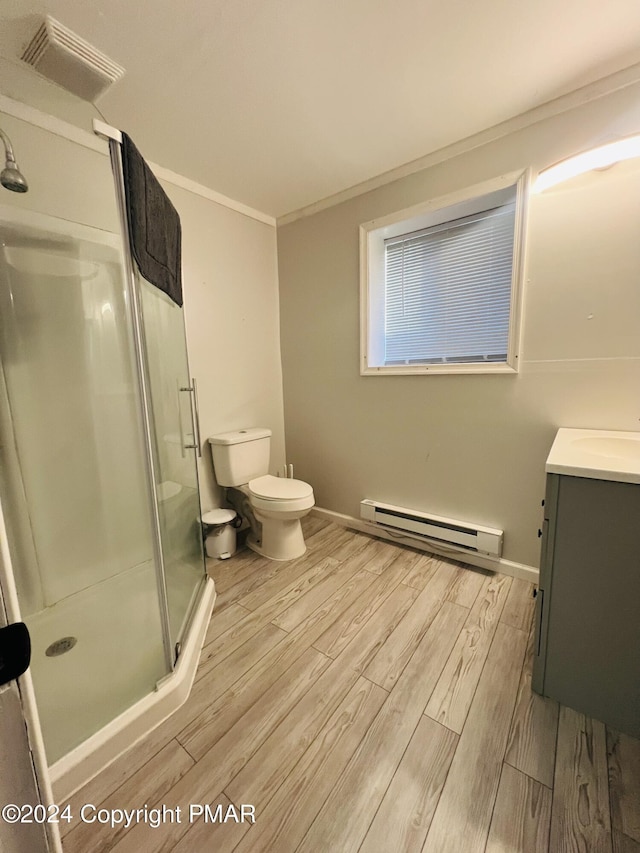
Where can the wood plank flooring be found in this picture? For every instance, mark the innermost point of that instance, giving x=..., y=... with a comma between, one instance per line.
x=367, y=697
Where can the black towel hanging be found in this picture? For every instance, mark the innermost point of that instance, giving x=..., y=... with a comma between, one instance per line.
x=154, y=224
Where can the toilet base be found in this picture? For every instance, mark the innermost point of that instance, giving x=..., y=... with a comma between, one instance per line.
x=281, y=540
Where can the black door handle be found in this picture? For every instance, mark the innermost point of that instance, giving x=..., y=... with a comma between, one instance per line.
x=15, y=651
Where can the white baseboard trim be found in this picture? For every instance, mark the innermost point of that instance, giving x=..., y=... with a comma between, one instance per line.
x=506, y=567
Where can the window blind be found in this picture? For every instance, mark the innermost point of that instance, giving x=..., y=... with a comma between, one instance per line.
x=448, y=290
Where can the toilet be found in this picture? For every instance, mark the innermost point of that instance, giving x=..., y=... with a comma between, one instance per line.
x=241, y=462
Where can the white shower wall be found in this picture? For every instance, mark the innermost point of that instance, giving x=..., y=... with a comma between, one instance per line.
x=63, y=319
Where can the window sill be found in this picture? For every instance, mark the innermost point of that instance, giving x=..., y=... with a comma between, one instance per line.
x=425, y=369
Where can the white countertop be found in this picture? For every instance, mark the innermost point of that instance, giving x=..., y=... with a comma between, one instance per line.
x=596, y=454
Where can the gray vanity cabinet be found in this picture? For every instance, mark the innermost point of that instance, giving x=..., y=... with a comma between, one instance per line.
x=588, y=602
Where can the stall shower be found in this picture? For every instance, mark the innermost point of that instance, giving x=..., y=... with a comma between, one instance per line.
x=98, y=468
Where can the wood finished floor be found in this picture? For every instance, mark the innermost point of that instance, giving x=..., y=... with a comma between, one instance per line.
x=367, y=697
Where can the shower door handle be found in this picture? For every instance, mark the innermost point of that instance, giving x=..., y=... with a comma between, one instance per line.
x=180, y=429
x=195, y=416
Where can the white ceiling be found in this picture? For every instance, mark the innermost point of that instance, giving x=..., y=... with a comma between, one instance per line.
x=280, y=103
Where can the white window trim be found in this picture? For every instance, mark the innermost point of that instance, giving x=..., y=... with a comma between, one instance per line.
x=432, y=212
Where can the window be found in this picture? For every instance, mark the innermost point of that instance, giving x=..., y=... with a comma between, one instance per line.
x=440, y=284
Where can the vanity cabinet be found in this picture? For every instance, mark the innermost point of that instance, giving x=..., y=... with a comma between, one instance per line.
x=587, y=654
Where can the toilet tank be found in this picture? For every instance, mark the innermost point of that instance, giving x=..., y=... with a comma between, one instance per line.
x=241, y=455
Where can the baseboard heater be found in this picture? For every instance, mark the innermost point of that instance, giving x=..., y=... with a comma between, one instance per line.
x=446, y=531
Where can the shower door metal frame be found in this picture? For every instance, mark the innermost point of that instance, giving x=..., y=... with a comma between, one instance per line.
x=35, y=760
x=133, y=296
x=135, y=314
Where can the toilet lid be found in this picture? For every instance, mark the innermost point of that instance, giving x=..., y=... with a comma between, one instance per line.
x=279, y=488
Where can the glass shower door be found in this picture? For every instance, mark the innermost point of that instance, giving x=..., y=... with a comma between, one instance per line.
x=72, y=480
x=174, y=414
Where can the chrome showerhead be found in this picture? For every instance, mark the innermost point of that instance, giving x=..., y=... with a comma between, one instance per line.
x=11, y=177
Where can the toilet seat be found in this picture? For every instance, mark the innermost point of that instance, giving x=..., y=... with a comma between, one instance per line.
x=280, y=494
x=279, y=488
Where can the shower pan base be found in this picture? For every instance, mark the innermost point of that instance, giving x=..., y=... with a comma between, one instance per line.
x=59, y=677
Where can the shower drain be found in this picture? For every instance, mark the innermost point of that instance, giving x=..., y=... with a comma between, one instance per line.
x=61, y=646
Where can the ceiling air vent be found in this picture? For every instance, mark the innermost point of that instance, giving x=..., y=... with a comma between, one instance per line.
x=58, y=53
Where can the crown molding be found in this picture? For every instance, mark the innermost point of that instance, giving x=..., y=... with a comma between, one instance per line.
x=591, y=92
x=36, y=117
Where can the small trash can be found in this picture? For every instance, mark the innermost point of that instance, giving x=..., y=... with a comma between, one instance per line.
x=220, y=533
